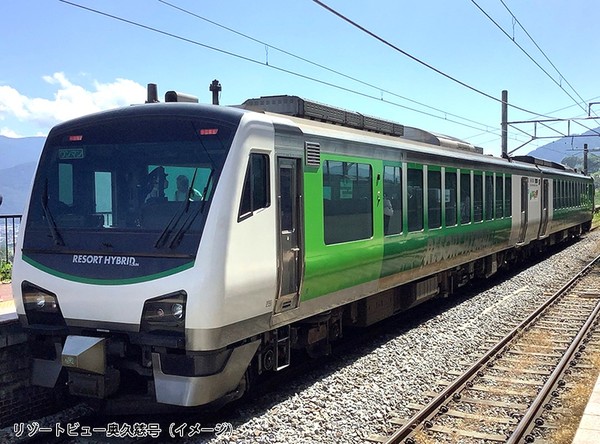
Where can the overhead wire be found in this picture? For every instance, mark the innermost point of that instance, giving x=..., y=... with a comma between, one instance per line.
x=269, y=65
x=524, y=51
x=534, y=61
x=486, y=128
x=418, y=60
x=319, y=65
x=542, y=51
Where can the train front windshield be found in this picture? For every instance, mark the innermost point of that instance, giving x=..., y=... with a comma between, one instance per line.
x=124, y=190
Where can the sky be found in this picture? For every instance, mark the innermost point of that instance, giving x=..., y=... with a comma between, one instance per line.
x=59, y=61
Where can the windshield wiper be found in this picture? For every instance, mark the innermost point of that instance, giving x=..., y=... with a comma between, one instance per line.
x=58, y=240
x=174, y=222
x=188, y=222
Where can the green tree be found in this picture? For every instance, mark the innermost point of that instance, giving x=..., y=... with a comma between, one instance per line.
x=5, y=271
x=576, y=161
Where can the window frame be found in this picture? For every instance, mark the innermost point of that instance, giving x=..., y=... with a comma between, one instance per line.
x=249, y=187
x=342, y=196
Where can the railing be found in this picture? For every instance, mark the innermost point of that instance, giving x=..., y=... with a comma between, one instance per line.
x=9, y=228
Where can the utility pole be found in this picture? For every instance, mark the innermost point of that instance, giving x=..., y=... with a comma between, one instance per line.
x=505, y=124
x=585, y=159
x=215, y=88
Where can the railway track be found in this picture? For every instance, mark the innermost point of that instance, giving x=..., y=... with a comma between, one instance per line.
x=508, y=393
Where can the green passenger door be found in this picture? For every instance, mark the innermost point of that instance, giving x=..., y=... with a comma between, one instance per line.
x=524, y=209
x=545, y=204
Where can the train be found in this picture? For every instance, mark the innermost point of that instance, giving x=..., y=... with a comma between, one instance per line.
x=177, y=251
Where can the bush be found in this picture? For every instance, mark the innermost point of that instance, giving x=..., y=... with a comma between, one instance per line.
x=5, y=271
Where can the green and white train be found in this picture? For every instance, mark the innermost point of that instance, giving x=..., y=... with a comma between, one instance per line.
x=174, y=250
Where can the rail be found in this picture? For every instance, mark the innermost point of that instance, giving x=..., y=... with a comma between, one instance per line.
x=9, y=229
x=528, y=421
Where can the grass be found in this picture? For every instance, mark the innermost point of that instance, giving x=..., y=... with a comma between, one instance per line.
x=596, y=220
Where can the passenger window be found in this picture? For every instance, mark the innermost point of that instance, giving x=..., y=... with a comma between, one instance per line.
x=499, y=196
x=507, y=196
x=465, y=197
x=415, y=199
x=434, y=199
x=347, y=201
x=450, y=198
x=477, y=197
x=392, y=200
x=255, y=194
x=489, y=196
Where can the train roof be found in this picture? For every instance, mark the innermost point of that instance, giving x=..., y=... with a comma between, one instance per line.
x=308, y=114
x=228, y=114
x=308, y=109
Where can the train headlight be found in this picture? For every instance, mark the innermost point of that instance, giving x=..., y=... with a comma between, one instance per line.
x=165, y=314
x=40, y=301
x=36, y=299
x=177, y=311
x=41, y=306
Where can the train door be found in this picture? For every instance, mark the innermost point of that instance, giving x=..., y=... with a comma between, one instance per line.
x=524, y=208
x=289, y=214
x=544, y=215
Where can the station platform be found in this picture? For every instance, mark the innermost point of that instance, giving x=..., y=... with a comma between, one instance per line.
x=5, y=292
x=7, y=304
x=589, y=426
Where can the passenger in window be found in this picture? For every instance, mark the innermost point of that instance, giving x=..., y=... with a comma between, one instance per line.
x=157, y=183
x=183, y=191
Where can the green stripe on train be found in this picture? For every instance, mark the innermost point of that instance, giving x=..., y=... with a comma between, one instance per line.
x=95, y=281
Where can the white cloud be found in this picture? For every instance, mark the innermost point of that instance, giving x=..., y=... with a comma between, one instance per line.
x=70, y=101
x=7, y=132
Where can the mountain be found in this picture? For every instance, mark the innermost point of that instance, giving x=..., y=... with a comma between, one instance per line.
x=567, y=146
x=18, y=159
x=14, y=187
x=14, y=151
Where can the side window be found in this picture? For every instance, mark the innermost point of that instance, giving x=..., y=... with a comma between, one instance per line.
x=255, y=194
x=465, y=197
x=507, y=196
x=489, y=196
x=392, y=200
x=347, y=201
x=477, y=197
x=450, y=198
x=499, y=196
x=558, y=194
x=434, y=199
x=415, y=199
